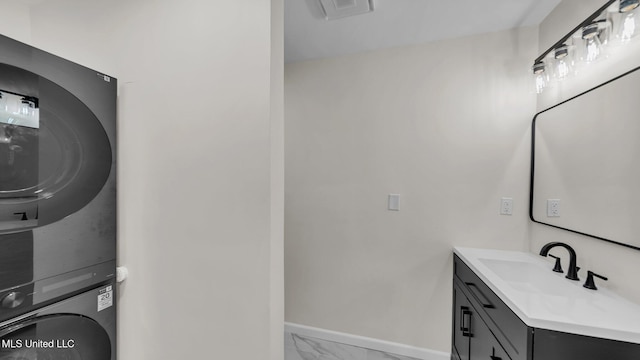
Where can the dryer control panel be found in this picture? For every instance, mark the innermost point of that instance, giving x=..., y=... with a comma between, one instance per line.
x=24, y=298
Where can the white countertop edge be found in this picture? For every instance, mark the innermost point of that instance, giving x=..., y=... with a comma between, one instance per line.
x=459, y=251
x=493, y=283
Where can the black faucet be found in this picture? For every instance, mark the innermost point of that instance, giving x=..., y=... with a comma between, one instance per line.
x=590, y=284
x=572, y=272
x=558, y=266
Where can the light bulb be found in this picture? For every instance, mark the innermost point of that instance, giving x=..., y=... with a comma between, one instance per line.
x=562, y=69
x=593, y=46
x=541, y=83
x=628, y=29
x=593, y=49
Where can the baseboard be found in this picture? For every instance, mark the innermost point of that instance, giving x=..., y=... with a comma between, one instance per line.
x=367, y=343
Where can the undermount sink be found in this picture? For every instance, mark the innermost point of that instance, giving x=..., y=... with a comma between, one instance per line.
x=526, y=276
x=508, y=270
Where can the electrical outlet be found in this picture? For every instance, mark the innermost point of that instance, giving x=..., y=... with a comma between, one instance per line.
x=553, y=207
x=506, y=206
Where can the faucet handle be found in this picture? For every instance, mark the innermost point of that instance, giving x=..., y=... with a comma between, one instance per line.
x=590, y=284
x=557, y=268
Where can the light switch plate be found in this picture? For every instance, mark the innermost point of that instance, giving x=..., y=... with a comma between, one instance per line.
x=394, y=202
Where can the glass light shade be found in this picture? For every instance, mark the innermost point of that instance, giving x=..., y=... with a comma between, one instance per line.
x=592, y=44
x=628, y=27
x=541, y=76
x=563, y=62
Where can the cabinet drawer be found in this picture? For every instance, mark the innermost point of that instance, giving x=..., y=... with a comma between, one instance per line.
x=510, y=331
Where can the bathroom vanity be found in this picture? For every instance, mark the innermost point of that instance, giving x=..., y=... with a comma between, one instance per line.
x=510, y=305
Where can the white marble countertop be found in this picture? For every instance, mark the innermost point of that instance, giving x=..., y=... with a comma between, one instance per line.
x=547, y=300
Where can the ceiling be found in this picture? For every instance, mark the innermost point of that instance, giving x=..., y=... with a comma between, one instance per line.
x=307, y=35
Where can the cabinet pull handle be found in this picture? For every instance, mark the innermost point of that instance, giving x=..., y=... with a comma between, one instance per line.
x=465, y=326
x=495, y=357
x=477, y=293
x=462, y=310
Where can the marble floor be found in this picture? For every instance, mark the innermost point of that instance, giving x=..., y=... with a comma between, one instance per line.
x=298, y=347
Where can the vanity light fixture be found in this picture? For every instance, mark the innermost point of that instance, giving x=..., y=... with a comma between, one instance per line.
x=589, y=38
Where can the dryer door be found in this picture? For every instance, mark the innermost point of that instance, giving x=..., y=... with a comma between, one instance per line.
x=55, y=156
x=55, y=337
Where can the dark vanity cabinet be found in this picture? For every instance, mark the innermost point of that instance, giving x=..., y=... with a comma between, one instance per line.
x=472, y=338
x=484, y=328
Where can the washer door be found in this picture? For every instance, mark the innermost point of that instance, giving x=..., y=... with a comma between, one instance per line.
x=55, y=156
x=55, y=337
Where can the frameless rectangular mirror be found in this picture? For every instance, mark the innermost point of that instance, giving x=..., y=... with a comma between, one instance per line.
x=585, y=163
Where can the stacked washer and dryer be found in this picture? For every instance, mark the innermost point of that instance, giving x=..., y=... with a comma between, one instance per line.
x=57, y=208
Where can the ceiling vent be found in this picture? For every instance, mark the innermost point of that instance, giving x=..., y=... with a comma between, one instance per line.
x=336, y=9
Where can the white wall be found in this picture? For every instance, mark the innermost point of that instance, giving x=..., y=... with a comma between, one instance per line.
x=200, y=181
x=446, y=125
x=276, y=305
x=621, y=265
